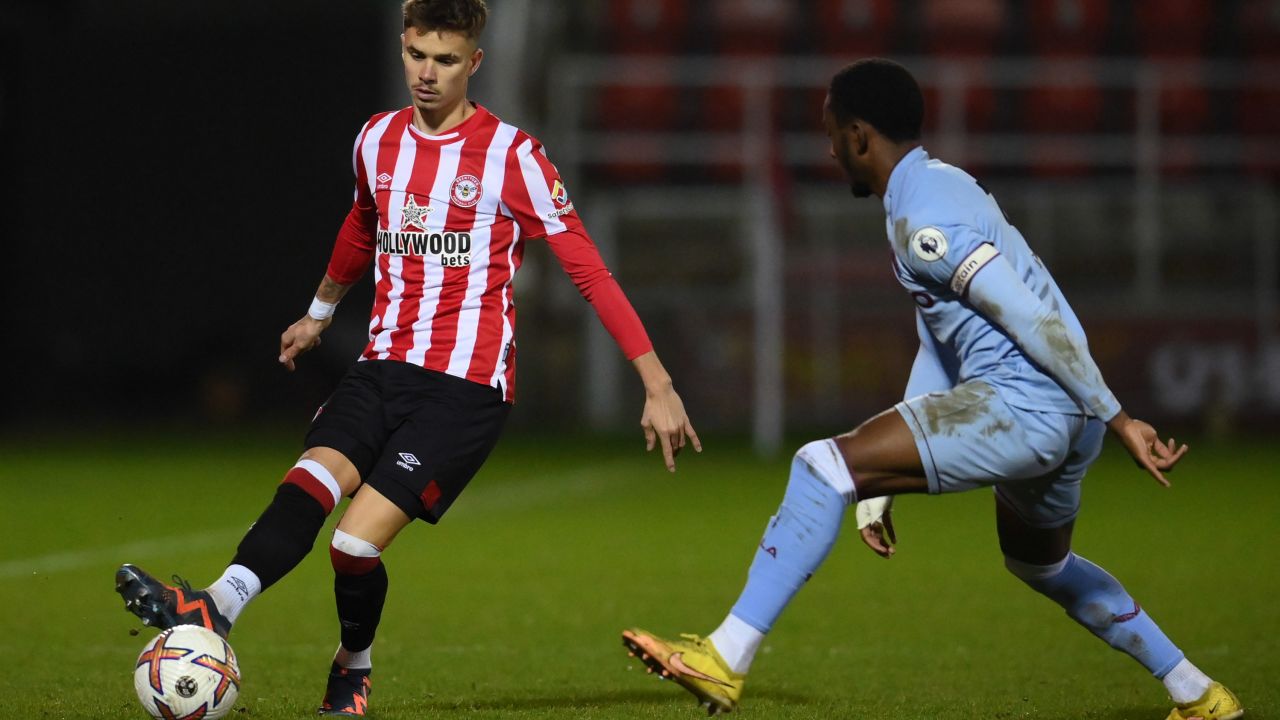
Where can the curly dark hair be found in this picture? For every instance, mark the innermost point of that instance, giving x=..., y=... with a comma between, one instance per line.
x=881, y=92
x=461, y=16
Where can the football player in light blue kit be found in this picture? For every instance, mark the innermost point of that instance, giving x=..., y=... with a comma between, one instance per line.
x=1003, y=393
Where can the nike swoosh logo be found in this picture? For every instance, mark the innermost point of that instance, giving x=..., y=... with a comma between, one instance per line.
x=677, y=663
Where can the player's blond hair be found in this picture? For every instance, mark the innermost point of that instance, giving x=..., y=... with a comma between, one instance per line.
x=461, y=16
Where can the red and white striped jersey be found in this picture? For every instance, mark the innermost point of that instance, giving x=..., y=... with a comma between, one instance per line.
x=447, y=214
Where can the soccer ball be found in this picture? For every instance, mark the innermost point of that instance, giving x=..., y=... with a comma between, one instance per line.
x=187, y=673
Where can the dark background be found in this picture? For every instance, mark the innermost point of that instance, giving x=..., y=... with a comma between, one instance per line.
x=176, y=175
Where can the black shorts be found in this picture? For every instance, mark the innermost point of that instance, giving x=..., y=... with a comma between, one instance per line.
x=417, y=436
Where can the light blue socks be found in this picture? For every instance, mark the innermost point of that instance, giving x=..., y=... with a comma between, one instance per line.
x=795, y=543
x=1099, y=602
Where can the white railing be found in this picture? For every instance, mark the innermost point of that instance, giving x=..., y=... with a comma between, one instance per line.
x=755, y=205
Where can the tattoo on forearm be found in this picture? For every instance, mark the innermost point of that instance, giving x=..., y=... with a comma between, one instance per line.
x=331, y=291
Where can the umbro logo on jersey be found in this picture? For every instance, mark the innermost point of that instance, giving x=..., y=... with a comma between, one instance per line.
x=384, y=181
x=408, y=461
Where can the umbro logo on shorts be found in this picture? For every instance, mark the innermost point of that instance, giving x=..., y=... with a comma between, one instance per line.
x=407, y=461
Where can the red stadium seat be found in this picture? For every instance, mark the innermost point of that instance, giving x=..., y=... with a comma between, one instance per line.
x=969, y=30
x=1184, y=104
x=1258, y=122
x=1068, y=27
x=647, y=27
x=1057, y=109
x=1172, y=28
x=640, y=108
x=1259, y=29
x=1258, y=107
x=752, y=28
x=1061, y=109
x=963, y=27
x=855, y=28
x=656, y=29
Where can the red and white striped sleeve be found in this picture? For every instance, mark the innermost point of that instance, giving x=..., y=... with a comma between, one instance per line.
x=353, y=249
x=539, y=201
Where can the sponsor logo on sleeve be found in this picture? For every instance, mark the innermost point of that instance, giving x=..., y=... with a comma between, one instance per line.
x=560, y=196
x=466, y=191
x=970, y=266
x=929, y=244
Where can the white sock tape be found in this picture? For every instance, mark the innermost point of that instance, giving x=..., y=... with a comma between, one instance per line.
x=354, y=546
x=825, y=459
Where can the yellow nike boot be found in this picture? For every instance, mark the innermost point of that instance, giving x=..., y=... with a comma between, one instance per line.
x=693, y=662
x=1217, y=703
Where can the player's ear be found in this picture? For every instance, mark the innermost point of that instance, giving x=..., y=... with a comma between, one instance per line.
x=861, y=140
x=476, y=57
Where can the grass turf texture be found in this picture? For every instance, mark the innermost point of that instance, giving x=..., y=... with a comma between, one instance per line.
x=512, y=607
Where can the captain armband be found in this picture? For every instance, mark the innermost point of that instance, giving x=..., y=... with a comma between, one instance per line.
x=970, y=266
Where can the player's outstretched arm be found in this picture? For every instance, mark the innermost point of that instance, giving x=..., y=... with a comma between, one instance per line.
x=999, y=294
x=304, y=334
x=1144, y=445
x=664, y=420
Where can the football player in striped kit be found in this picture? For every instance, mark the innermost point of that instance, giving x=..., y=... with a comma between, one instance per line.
x=446, y=195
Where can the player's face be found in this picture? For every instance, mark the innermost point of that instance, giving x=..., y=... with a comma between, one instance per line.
x=437, y=65
x=842, y=150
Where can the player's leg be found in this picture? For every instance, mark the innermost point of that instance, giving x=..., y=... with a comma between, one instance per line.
x=1034, y=521
x=280, y=538
x=878, y=458
x=339, y=442
x=446, y=428
x=366, y=529
x=826, y=476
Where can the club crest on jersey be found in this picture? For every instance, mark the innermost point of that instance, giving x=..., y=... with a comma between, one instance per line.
x=560, y=196
x=466, y=191
x=929, y=244
x=413, y=214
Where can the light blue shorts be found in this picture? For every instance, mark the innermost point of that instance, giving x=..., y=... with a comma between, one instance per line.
x=968, y=438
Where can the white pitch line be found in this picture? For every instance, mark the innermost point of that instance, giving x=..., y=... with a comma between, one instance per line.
x=78, y=559
x=509, y=495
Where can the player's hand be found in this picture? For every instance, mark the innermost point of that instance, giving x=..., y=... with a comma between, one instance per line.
x=299, y=338
x=665, y=422
x=878, y=534
x=1144, y=445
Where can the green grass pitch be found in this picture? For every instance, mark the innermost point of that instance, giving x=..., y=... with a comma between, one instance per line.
x=512, y=607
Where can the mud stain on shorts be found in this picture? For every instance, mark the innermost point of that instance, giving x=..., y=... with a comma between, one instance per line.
x=962, y=406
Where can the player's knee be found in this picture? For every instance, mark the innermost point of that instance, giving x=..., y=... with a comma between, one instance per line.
x=823, y=458
x=352, y=556
x=315, y=480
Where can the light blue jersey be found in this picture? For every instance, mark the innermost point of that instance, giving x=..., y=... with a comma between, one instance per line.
x=991, y=310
